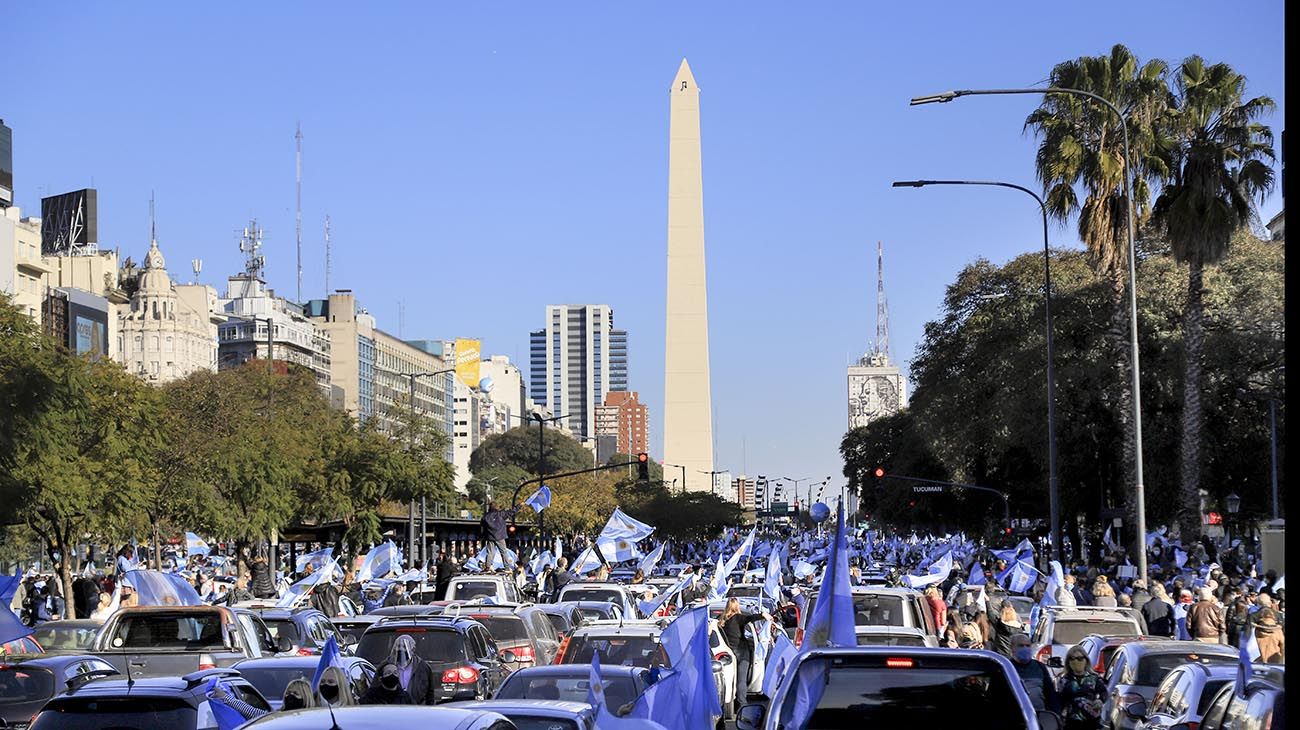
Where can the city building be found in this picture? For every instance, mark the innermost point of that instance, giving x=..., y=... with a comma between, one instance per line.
x=6, y=166
x=688, y=408
x=623, y=416
x=505, y=405
x=723, y=485
x=743, y=486
x=167, y=331
x=22, y=269
x=1277, y=226
x=467, y=430
x=371, y=369
x=876, y=387
x=78, y=320
x=257, y=324
x=572, y=364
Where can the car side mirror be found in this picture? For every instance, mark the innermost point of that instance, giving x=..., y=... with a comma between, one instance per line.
x=1048, y=720
x=508, y=656
x=283, y=644
x=750, y=717
x=1137, y=710
x=1055, y=662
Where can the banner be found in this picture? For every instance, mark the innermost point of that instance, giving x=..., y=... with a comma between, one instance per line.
x=467, y=361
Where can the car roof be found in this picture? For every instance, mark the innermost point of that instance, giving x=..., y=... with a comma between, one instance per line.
x=592, y=584
x=71, y=623
x=582, y=670
x=543, y=708
x=276, y=614
x=432, y=622
x=293, y=662
x=374, y=716
x=584, y=604
x=119, y=685
x=614, y=629
x=1142, y=648
x=890, y=630
x=46, y=660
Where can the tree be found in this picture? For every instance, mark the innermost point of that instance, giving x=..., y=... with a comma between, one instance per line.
x=1221, y=167
x=1082, y=150
x=519, y=447
x=499, y=482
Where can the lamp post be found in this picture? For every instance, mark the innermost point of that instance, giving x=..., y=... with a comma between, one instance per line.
x=1139, y=492
x=1233, y=503
x=713, y=482
x=796, y=488
x=1053, y=485
x=1272, y=437
x=422, y=552
x=678, y=466
x=541, y=455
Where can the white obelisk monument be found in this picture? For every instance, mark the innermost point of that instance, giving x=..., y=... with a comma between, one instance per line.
x=688, y=408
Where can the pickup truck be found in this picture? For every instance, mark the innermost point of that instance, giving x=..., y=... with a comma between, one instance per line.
x=896, y=686
x=171, y=641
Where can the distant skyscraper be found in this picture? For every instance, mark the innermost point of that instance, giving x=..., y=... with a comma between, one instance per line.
x=688, y=409
x=876, y=387
x=575, y=361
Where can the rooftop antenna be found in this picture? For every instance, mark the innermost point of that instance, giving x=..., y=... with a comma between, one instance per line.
x=250, y=243
x=298, y=143
x=882, y=307
x=153, y=223
x=197, y=265
x=327, y=255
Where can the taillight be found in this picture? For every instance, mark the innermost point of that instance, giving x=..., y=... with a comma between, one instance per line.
x=798, y=637
x=1044, y=654
x=304, y=651
x=207, y=662
x=898, y=663
x=559, y=653
x=1098, y=668
x=524, y=654
x=460, y=675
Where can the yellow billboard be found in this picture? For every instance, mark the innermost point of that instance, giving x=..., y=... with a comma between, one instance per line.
x=467, y=358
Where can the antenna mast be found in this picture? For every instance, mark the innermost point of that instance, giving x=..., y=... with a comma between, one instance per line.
x=882, y=306
x=298, y=143
x=153, y=225
x=327, y=255
x=249, y=244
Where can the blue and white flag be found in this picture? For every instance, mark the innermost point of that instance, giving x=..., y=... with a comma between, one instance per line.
x=300, y=590
x=976, y=577
x=595, y=690
x=155, y=588
x=720, y=584
x=540, y=499
x=329, y=657
x=803, y=570
x=772, y=576
x=382, y=560
x=649, y=607
x=782, y=654
x=413, y=576
x=617, y=541
x=1180, y=556
x=194, y=545
x=1247, y=652
x=648, y=563
x=586, y=562
x=126, y=565
x=540, y=562
x=831, y=623
x=1020, y=577
x=937, y=572
x=316, y=560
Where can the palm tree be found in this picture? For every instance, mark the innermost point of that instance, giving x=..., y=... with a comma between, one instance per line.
x=1082, y=152
x=1221, y=157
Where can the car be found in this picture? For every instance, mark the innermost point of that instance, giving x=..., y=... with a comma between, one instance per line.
x=881, y=606
x=1023, y=605
x=634, y=645
x=894, y=636
x=570, y=682
x=352, y=627
x=383, y=717
x=1261, y=705
x=306, y=628
x=175, y=703
x=1136, y=668
x=501, y=588
x=459, y=650
x=270, y=675
x=1060, y=627
x=593, y=610
x=22, y=646
x=542, y=714
x=546, y=640
x=614, y=593
x=1182, y=697
x=902, y=687
x=515, y=634
x=69, y=636
x=27, y=684
x=170, y=641
x=1101, y=647
x=564, y=618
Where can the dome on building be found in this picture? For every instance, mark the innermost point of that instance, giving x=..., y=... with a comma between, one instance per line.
x=154, y=280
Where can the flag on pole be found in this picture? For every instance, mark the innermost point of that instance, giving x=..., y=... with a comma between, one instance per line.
x=586, y=562
x=194, y=545
x=382, y=560
x=300, y=590
x=329, y=657
x=539, y=499
x=976, y=577
x=648, y=563
x=316, y=559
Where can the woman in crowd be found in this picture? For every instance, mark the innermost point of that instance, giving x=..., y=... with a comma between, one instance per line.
x=1080, y=692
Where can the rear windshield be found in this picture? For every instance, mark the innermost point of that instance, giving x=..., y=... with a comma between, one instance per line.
x=80, y=637
x=1071, y=632
x=560, y=622
x=631, y=651
x=542, y=723
x=1152, y=668
x=503, y=628
x=25, y=685
x=431, y=645
x=186, y=631
x=271, y=682
x=285, y=628
x=948, y=694
x=604, y=595
x=618, y=690
x=595, y=613
x=872, y=610
x=889, y=640
x=471, y=589
x=118, y=712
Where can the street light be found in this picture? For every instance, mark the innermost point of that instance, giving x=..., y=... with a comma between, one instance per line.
x=1233, y=503
x=1053, y=485
x=423, y=552
x=1138, y=489
x=683, y=468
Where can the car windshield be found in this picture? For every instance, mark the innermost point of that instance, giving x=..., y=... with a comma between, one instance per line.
x=871, y=610
x=187, y=631
x=283, y=627
x=1071, y=632
x=867, y=693
x=93, y=713
x=65, y=637
x=23, y=684
x=467, y=590
x=522, y=686
x=597, y=613
x=632, y=651
x=890, y=640
x=504, y=629
x=604, y=595
x=431, y=645
x=1152, y=668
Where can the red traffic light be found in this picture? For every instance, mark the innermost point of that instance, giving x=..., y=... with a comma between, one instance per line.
x=879, y=472
x=643, y=458
x=911, y=503
x=1007, y=530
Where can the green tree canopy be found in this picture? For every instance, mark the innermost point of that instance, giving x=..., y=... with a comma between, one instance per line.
x=519, y=447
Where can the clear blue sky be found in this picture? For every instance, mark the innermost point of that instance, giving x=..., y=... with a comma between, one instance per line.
x=482, y=160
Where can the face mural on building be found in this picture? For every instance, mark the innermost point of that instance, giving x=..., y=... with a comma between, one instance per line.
x=872, y=396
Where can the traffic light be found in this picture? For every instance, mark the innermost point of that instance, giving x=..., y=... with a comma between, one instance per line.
x=878, y=474
x=643, y=467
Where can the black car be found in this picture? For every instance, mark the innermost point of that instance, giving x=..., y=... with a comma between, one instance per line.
x=175, y=703
x=271, y=675
x=306, y=628
x=466, y=663
x=26, y=685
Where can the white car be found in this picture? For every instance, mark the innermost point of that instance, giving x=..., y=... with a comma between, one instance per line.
x=894, y=636
x=1060, y=627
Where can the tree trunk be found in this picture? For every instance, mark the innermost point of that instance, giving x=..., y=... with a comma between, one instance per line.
x=1189, y=486
x=1117, y=338
x=65, y=573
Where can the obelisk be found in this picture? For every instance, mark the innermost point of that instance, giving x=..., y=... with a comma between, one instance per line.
x=688, y=408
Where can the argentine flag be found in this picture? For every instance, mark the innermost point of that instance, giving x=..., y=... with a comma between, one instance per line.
x=382, y=560
x=540, y=499
x=194, y=545
x=316, y=560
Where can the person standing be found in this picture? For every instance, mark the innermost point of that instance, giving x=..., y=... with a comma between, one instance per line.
x=938, y=609
x=1081, y=692
x=1159, y=612
x=1269, y=636
x=732, y=624
x=446, y=570
x=1102, y=593
x=1205, y=620
x=1034, y=675
x=263, y=582
x=496, y=529
x=1006, y=624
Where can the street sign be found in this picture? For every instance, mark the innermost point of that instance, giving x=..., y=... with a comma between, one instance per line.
x=780, y=508
x=927, y=488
